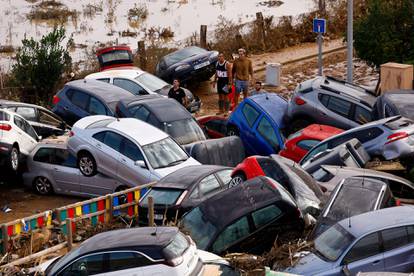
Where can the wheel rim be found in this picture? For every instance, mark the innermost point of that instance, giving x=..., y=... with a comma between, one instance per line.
x=236, y=181
x=43, y=185
x=86, y=165
x=14, y=159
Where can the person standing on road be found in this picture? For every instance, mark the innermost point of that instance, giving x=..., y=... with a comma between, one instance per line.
x=257, y=89
x=177, y=93
x=242, y=70
x=222, y=79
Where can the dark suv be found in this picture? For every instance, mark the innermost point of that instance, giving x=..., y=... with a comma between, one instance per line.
x=328, y=101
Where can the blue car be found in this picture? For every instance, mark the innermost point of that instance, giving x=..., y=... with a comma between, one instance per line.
x=81, y=98
x=376, y=241
x=258, y=120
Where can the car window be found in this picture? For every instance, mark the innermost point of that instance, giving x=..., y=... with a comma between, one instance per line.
x=315, y=151
x=307, y=144
x=96, y=107
x=29, y=113
x=194, y=194
x=89, y=265
x=362, y=115
x=225, y=176
x=64, y=158
x=410, y=231
x=126, y=260
x=363, y=135
x=30, y=130
x=388, y=112
x=209, y=184
x=44, y=155
x=104, y=80
x=130, y=86
x=49, y=119
x=131, y=151
x=19, y=122
x=266, y=130
x=324, y=99
x=401, y=190
x=113, y=140
x=364, y=248
x=250, y=114
x=176, y=247
x=394, y=237
x=4, y=116
x=162, y=196
x=216, y=125
x=337, y=105
x=79, y=99
x=140, y=112
x=265, y=215
x=100, y=136
x=231, y=234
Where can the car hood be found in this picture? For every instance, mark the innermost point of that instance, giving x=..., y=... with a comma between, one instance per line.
x=165, y=171
x=310, y=265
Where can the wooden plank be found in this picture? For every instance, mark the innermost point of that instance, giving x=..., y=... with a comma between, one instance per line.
x=395, y=76
x=69, y=236
x=5, y=238
x=203, y=36
x=142, y=55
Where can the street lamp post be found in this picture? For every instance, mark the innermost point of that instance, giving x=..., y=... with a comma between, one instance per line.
x=350, y=41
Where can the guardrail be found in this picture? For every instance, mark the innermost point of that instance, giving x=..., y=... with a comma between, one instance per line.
x=97, y=210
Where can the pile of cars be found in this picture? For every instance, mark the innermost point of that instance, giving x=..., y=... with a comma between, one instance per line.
x=271, y=170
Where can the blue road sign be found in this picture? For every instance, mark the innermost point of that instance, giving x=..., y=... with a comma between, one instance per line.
x=319, y=25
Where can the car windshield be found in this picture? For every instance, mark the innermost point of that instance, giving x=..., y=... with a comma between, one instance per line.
x=200, y=229
x=183, y=54
x=162, y=196
x=116, y=56
x=333, y=242
x=185, y=131
x=176, y=247
x=164, y=153
x=152, y=82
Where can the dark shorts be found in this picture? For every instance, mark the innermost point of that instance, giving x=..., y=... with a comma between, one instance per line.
x=222, y=87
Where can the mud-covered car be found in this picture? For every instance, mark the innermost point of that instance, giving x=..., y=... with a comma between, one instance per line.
x=188, y=64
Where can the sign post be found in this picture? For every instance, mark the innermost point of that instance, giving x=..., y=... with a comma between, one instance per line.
x=319, y=27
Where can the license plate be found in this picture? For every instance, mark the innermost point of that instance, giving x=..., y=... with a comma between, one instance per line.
x=158, y=217
x=198, y=66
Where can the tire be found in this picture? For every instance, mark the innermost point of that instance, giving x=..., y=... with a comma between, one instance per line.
x=299, y=124
x=238, y=179
x=14, y=159
x=42, y=185
x=232, y=131
x=87, y=164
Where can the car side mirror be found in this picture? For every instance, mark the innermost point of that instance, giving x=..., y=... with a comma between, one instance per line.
x=141, y=164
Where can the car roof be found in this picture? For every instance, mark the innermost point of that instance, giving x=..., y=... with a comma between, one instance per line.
x=247, y=197
x=343, y=87
x=376, y=220
x=183, y=49
x=107, y=92
x=6, y=103
x=128, y=73
x=165, y=109
x=320, y=132
x=186, y=177
x=141, y=132
x=274, y=105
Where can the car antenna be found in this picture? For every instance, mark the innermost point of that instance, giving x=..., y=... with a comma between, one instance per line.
x=349, y=219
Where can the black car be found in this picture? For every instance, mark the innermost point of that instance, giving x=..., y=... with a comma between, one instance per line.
x=45, y=122
x=351, y=197
x=393, y=103
x=81, y=98
x=165, y=114
x=245, y=218
x=178, y=192
x=191, y=63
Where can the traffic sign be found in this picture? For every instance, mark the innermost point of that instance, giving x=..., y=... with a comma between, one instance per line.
x=319, y=25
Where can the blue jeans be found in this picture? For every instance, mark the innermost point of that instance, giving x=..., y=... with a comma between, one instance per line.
x=242, y=86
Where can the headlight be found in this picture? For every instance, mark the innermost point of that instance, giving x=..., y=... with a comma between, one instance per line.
x=214, y=54
x=182, y=67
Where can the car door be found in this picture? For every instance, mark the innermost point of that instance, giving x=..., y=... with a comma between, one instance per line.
x=247, y=122
x=225, y=177
x=65, y=172
x=129, y=263
x=79, y=104
x=229, y=239
x=335, y=111
x=92, y=264
x=26, y=137
x=365, y=255
x=208, y=186
x=96, y=107
x=129, y=172
x=267, y=140
x=398, y=249
x=130, y=86
x=107, y=150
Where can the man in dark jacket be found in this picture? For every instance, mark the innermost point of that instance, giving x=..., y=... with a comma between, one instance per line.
x=177, y=93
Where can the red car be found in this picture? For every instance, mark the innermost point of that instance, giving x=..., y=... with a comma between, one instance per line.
x=115, y=57
x=299, y=143
x=214, y=126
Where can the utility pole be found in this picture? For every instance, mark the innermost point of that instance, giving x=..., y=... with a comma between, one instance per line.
x=350, y=41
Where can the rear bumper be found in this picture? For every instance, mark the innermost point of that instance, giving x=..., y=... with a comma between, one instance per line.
x=4, y=152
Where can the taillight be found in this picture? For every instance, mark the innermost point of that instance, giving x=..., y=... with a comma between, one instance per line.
x=271, y=183
x=5, y=127
x=398, y=202
x=299, y=100
x=396, y=136
x=71, y=133
x=182, y=196
x=55, y=100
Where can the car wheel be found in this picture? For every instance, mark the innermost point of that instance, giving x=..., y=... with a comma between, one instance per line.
x=298, y=125
x=237, y=180
x=87, y=164
x=42, y=185
x=14, y=159
x=233, y=131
